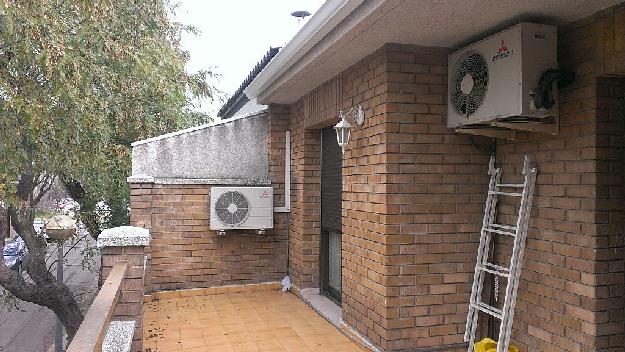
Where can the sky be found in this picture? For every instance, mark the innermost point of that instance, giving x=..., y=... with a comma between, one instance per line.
x=235, y=35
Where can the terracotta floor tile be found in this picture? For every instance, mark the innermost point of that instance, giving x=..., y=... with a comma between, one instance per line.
x=256, y=321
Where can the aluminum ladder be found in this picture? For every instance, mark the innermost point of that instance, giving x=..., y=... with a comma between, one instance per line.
x=490, y=228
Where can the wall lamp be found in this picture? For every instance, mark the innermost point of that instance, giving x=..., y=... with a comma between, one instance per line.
x=343, y=128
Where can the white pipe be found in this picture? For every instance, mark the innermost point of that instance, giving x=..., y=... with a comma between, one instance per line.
x=287, y=177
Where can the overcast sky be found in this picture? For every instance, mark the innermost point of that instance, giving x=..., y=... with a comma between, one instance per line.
x=235, y=34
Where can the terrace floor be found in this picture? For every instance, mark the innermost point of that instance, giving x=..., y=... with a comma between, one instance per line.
x=267, y=320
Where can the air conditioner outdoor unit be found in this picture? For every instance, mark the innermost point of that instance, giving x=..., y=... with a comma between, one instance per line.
x=241, y=208
x=496, y=78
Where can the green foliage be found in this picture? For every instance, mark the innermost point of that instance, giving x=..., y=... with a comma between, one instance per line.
x=80, y=81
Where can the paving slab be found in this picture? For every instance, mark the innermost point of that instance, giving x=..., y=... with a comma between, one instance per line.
x=269, y=320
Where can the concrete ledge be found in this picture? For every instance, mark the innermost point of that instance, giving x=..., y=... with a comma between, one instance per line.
x=90, y=335
x=119, y=336
x=197, y=181
x=323, y=305
x=124, y=236
x=358, y=338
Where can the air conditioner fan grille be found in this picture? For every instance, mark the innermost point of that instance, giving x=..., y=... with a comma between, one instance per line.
x=469, y=83
x=232, y=208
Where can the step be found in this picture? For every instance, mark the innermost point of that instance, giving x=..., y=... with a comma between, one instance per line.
x=497, y=313
x=511, y=185
x=510, y=194
x=495, y=269
x=505, y=227
x=501, y=232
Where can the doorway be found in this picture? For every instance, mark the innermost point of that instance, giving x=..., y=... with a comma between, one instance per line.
x=331, y=206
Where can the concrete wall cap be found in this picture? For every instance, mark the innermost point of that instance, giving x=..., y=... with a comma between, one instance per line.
x=140, y=179
x=198, y=181
x=260, y=112
x=124, y=236
x=119, y=336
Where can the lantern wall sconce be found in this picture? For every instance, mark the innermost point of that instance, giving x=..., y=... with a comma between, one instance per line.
x=344, y=129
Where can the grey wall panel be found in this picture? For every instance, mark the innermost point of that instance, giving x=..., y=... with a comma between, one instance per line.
x=236, y=149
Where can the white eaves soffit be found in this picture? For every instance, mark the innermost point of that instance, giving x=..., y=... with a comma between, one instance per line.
x=343, y=32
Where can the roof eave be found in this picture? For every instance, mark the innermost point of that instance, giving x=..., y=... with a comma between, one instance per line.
x=329, y=15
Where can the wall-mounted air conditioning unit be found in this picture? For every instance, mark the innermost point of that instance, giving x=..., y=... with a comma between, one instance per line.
x=497, y=79
x=241, y=208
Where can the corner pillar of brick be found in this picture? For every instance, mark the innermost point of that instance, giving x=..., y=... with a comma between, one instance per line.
x=127, y=243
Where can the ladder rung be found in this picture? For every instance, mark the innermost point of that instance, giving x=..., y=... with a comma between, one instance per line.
x=495, y=269
x=507, y=233
x=511, y=194
x=487, y=309
x=505, y=227
x=511, y=185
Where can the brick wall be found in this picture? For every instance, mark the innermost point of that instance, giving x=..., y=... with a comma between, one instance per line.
x=411, y=190
x=364, y=204
x=316, y=110
x=609, y=280
x=571, y=293
x=413, y=193
x=131, y=290
x=435, y=190
x=185, y=253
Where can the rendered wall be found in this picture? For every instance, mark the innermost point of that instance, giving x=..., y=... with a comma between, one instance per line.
x=236, y=149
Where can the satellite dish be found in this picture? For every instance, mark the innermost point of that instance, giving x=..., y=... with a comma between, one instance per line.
x=300, y=14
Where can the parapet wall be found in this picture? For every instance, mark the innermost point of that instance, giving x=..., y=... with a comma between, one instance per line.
x=229, y=149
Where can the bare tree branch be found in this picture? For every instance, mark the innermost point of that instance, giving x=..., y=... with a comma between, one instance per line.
x=44, y=185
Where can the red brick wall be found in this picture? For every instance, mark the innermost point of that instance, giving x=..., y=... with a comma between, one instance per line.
x=185, y=253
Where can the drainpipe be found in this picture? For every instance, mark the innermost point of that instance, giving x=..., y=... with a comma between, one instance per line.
x=286, y=281
x=287, y=177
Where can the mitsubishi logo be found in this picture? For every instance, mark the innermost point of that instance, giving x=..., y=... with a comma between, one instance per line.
x=503, y=48
x=503, y=51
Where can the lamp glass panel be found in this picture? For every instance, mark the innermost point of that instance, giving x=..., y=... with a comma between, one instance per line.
x=339, y=135
x=346, y=135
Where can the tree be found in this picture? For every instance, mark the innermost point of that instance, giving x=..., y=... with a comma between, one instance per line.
x=79, y=81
